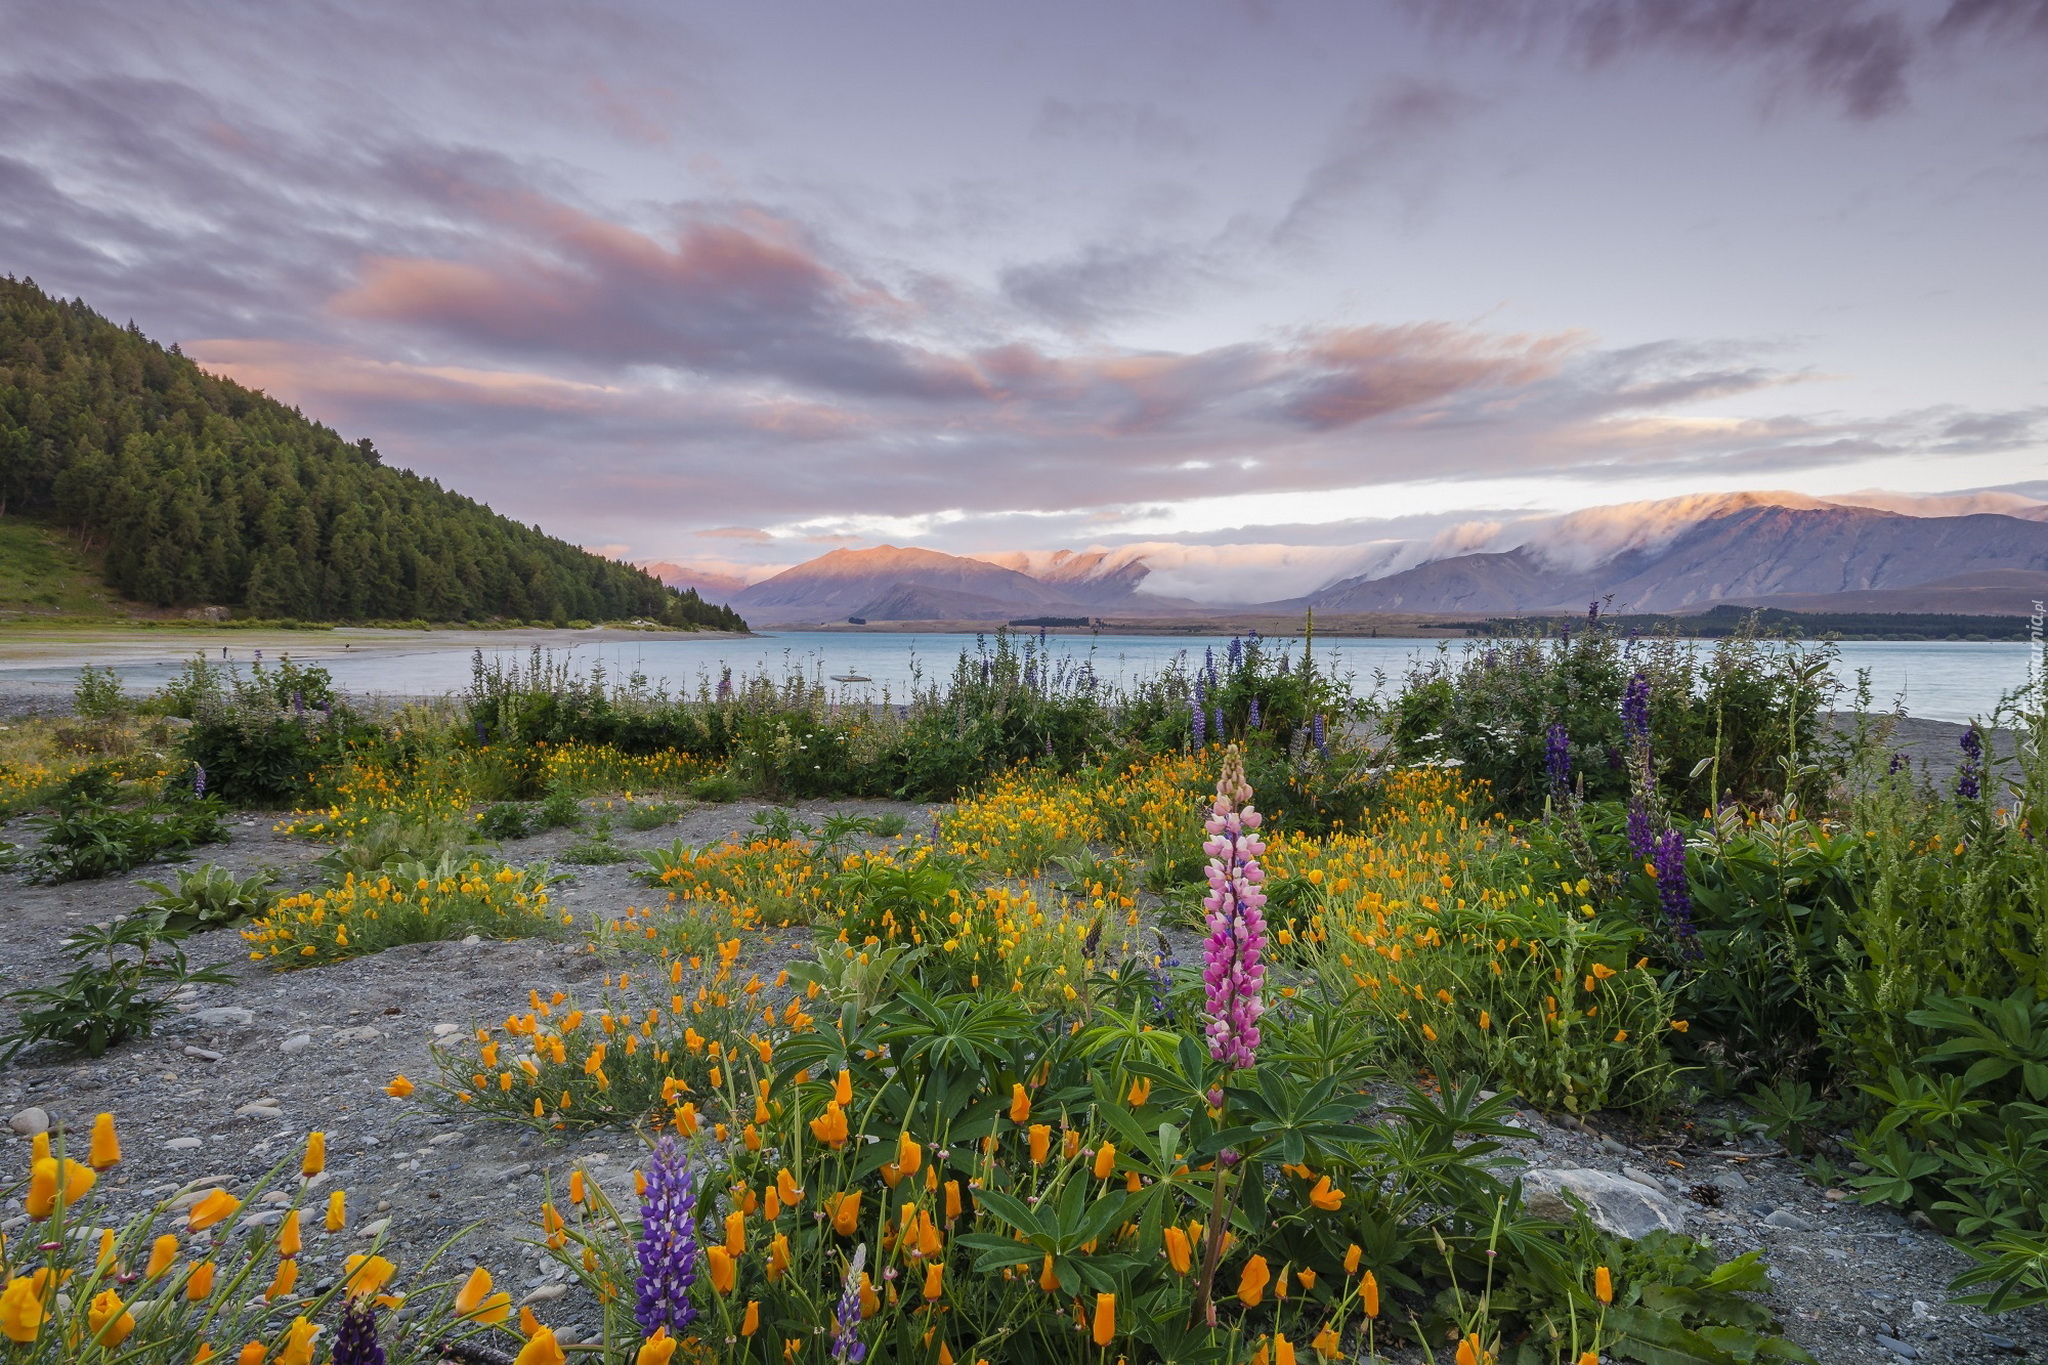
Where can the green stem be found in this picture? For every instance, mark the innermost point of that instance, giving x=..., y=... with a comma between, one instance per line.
x=1212, y=1250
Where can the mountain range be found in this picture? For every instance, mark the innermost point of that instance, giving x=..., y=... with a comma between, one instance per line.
x=1873, y=553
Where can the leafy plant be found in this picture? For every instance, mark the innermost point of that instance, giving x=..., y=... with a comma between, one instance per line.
x=86, y=838
x=120, y=987
x=781, y=824
x=646, y=817
x=207, y=897
x=505, y=820
x=598, y=849
x=1788, y=1113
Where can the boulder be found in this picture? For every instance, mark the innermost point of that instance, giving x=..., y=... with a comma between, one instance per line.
x=1615, y=1203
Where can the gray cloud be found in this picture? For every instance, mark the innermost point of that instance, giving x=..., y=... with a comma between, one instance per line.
x=1389, y=147
x=1140, y=126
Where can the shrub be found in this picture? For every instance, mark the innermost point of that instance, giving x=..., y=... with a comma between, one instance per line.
x=85, y=838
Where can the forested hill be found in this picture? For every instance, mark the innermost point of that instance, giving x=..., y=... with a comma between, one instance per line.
x=197, y=491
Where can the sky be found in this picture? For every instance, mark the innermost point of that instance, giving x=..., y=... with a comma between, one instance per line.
x=734, y=285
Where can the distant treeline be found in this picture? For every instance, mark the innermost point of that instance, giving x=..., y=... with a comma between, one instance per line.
x=1772, y=621
x=196, y=491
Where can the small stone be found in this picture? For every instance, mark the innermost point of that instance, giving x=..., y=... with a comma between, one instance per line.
x=30, y=1121
x=514, y=1172
x=1834, y=1196
x=1897, y=1347
x=444, y=1139
x=298, y=1042
x=374, y=1228
x=383, y=1204
x=1921, y=1308
x=547, y=1293
x=190, y=1197
x=443, y=1030
x=1641, y=1176
x=364, y=1034
x=1788, y=1220
x=259, y=1109
x=224, y=1016
x=277, y=1197
x=1734, y=1181
x=182, y=1144
x=472, y=941
x=1999, y=1343
x=1918, y=1218
x=204, y=1054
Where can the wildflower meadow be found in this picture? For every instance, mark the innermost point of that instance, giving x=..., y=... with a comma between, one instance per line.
x=1187, y=1028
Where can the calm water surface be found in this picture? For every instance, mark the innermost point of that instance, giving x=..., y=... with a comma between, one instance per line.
x=1938, y=680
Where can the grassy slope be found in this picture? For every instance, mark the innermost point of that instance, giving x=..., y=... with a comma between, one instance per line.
x=43, y=573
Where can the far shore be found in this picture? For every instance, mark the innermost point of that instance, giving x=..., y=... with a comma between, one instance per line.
x=31, y=646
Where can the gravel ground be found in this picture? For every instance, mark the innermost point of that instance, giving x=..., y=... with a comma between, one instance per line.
x=236, y=1078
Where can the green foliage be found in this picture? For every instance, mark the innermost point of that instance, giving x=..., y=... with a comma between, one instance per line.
x=1964, y=1131
x=85, y=838
x=598, y=848
x=196, y=490
x=98, y=694
x=1733, y=718
x=208, y=897
x=506, y=820
x=643, y=817
x=120, y=987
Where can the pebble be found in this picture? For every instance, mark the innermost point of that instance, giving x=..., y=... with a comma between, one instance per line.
x=1897, y=1347
x=1789, y=1221
x=374, y=1228
x=472, y=941
x=204, y=1054
x=298, y=1042
x=443, y=1030
x=182, y=1144
x=259, y=1110
x=363, y=1034
x=30, y=1121
x=547, y=1293
x=224, y=1016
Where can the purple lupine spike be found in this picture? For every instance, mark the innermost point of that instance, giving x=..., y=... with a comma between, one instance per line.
x=668, y=1243
x=1318, y=733
x=1642, y=840
x=198, y=779
x=1592, y=613
x=1216, y=722
x=479, y=731
x=1635, y=708
x=1898, y=762
x=1283, y=664
x=1252, y=719
x=1198, y=726
x=1968, y=783
x=1672, y=892
x=355, y=1341
x=1557, y=757
x=846, y=1343
x=1232, y=969
x=298, y=703
x=1236, y=653
x=1209, y=664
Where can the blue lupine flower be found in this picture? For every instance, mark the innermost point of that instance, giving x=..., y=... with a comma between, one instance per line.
x=1672, y=891
x=1557, y=757
x=846, y=1343
x=355, y=1341
x=668, y=1243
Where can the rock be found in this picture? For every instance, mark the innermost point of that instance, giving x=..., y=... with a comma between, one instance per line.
x=298, y=1042
x=1789, y=1221
x=30, y=1121
x=364, y=1034
x=204, y=1054
x=224, y=1016
x=514, y=1172
x=1897, y=1347
x=1919, y=1219
x=547, y=1293
x=443, y=1030
x=374, y=1228
x=1834, y=1196
x=182, y=1144
x=472, y=941
x=1642, y=1177
x=1614, y=1203
x=191, y=1197
x=1735, y=1182
x=259, y=1109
